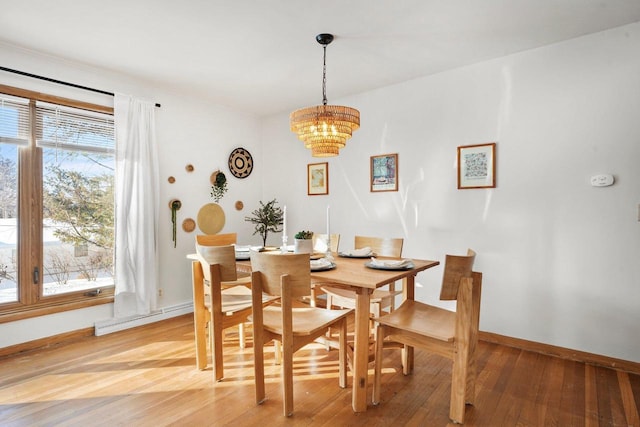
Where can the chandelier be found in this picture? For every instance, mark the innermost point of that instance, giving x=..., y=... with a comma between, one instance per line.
x=325, y=128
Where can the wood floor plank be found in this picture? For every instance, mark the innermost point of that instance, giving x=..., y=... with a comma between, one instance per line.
x=533, y=381
x=148, y=377
x=628, y=401
x=498, y=400
x=571, y=408
x=609, y=397
x=634, y=381
x=590, y=397
x=554, y=378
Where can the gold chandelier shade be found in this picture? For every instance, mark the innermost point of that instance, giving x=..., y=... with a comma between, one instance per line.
x=325, y=128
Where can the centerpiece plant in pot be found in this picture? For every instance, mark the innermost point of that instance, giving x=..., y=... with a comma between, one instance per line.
x=303, y=242
x=268, y=217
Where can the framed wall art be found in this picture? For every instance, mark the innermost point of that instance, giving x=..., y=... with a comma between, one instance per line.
x=384, y=172
x=317, y=179
x=477, y=166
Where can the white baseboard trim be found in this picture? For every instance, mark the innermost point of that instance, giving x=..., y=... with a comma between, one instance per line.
x=114, y=325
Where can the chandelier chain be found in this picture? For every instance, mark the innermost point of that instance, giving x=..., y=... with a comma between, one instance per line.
x=324, y=76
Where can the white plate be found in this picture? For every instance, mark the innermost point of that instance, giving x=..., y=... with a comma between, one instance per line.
x=324, y=267
x=409, y=266
x=347, y=255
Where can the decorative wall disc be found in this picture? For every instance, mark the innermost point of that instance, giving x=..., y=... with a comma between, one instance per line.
x=188, y=225
x=240, y=163
x=211, y=218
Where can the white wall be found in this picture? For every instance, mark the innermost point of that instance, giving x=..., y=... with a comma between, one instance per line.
x=559, y=257
x=189, y=132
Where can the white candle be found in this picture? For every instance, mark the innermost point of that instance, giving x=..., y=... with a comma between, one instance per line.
x=284, y=221
x=328, y=232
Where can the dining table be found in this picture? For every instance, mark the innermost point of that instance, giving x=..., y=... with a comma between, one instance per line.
x=356, y=274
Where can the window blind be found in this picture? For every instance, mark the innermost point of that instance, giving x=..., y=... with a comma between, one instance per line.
x=74, y=129
x=14, y=120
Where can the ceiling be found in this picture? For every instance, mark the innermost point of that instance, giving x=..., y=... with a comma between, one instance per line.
x=260, y=56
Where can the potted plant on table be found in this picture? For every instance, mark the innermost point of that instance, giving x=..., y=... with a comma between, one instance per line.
x=266, y=218
x=303, y=242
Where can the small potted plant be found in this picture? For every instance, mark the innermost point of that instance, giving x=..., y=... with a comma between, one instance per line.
x=266, y=218
x=303, y=242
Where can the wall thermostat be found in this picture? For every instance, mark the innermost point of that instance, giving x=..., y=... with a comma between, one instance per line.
x=602, y=180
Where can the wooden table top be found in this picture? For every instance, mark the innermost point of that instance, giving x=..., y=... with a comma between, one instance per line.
x=353, y=272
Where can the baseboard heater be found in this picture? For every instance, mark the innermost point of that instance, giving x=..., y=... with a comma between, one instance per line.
x=114, y=325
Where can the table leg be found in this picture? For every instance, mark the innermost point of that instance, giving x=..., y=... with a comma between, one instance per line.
x=361, y=350
x=407, y=356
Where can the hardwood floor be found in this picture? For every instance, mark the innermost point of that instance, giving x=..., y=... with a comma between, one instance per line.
x=147, y=377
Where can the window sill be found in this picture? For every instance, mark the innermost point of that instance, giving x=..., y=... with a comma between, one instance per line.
x=46, y=308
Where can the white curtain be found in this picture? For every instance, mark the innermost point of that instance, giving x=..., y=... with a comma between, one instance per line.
x=136, y=266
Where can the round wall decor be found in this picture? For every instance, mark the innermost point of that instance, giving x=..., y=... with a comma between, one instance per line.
x=188, y=225
x=211, y=218
x=240, y=163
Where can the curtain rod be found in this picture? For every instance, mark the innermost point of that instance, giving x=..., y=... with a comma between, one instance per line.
x=48, y=79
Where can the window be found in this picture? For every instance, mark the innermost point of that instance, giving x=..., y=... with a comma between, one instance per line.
x=57, y=168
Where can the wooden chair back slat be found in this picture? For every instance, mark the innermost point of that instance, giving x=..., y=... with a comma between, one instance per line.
x=455, y=268
x=216, y=239
x=225, y=256
x=381, y=246
x=270, y=266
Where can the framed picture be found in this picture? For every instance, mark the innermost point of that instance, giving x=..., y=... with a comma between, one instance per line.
x=384, y=173
x=477, y=166
x=317, y=179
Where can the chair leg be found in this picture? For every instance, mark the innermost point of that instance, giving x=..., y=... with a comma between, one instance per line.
x=392, y=303
x=241, y=335
x=459, y=382
x=287, y=378
x=403, y=360
x=277, y=352
x=201, y=341
x=376, y=310
x=377, y=376
x=258, y=364
x=470, y=393
x=217, y=338
x=312, y=297
x=470, y=389
x=342, y=357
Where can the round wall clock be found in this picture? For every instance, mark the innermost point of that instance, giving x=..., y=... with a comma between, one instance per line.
x=240, y=163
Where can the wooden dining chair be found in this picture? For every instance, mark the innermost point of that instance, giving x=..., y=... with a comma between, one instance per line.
x=221, y=300
x=381, y=299
x=223, y=240
x=293, y=325
x=450, y=334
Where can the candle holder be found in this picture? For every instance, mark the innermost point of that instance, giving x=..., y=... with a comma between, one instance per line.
x=283, y=248
x=328, y=255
